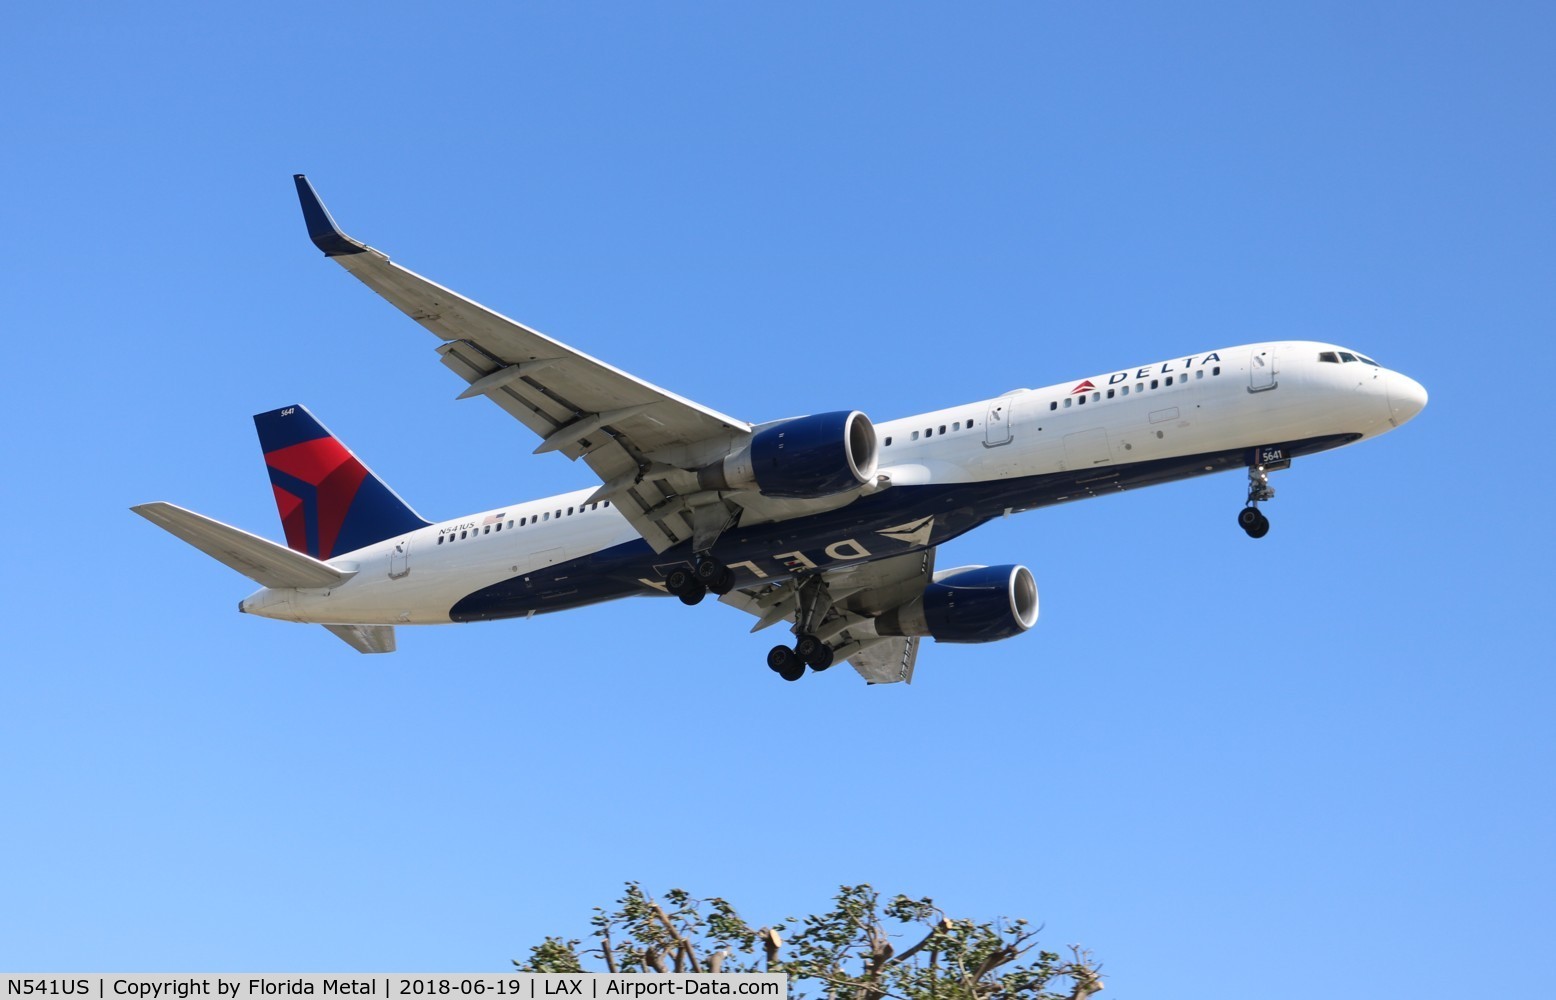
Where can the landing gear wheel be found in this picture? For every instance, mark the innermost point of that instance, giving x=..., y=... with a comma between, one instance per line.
x=1252, y=521
x=816, y=654
x=680, y=581
x=709, y=570
x=694, y=595
x=724, y=584
x=1260, y=529
x=785, y=663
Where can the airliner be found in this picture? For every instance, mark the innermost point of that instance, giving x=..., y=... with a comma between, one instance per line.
x=829, y=522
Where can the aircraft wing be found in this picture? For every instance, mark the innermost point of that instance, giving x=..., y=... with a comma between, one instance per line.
x=851, y=597
x=640, y=440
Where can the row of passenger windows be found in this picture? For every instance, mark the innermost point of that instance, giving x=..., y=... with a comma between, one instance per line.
x=1335, y=358
x=487, y=529
x=1138, y=387
x=930, y=432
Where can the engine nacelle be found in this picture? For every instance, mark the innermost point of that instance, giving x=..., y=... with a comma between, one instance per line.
x=803, y=458
x=974, y=604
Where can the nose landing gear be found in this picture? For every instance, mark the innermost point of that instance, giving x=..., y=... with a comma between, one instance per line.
x=1250, y=518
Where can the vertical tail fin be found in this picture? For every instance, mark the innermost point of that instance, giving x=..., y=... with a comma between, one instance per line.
x=329, y=501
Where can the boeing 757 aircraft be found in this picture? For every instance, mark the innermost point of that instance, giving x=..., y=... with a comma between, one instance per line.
x=829, y=522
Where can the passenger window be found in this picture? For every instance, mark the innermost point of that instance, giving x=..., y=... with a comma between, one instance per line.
x=488, y=530
x=1096, y=397
x=1169, y=380
x=607, y=503
x=942, y=428
x=1054, y=405
x=1154, y=383
x=1067, y=402
x=569, y=512
x=510, y=525
x=1199, y=374
x=440, y=539
x=929, y=432
x=969, y=423
x=1329, y=357
x=1125, y=390
x=546, y=516
x=956, y=425
x=1216, y=370
x=463, y=534
x=915, y=435
x=1110, y=393
x=559, y=512
x=1080, y=400
x=888, y=441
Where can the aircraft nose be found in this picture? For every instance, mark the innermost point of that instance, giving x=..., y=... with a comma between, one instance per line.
x=1407, y=397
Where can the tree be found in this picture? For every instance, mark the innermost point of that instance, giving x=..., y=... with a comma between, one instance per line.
x=847, y=953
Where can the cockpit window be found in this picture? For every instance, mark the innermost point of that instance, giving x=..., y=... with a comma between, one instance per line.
x=1368, y=361
x=1329, y=356
x=1347, y=356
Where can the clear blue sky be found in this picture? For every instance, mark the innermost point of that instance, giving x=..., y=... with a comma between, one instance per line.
x=1231, y=768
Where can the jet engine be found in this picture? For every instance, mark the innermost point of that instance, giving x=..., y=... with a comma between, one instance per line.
x=802, y=458
x=970, y=604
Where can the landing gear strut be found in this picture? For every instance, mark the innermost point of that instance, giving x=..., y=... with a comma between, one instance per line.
x=812, y=604
x=1250, y=518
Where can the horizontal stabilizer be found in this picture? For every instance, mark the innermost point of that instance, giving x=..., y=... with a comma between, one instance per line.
x=265, y=562
x=366, y=638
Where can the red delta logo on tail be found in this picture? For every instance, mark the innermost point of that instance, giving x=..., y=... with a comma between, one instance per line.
x=335, y=475
x=328, y=500
x=1085, y=386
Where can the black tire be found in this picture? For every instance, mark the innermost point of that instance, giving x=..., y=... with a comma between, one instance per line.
x=1248, y=517
x=816, y=654
x=709, y=570
x=1260, y=528
x=693, y=596
x=782, y=661
x=680, y=581
x=724, y=584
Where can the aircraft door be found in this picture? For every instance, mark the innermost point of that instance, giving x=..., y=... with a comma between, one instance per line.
x=400, y=559
x=996, y=424
x=1261, y=369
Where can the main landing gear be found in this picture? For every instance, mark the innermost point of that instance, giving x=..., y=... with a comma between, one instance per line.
x=809, y=650
x=1250, y=518
x=707, y=575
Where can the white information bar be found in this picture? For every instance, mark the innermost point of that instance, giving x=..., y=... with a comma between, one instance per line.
x=391, y=985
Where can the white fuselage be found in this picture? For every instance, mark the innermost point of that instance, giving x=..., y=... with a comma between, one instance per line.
x=1232, y=400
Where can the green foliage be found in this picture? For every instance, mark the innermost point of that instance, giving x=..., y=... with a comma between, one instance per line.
x=849, y=952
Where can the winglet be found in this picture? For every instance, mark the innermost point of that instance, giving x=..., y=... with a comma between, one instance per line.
x=321, y=227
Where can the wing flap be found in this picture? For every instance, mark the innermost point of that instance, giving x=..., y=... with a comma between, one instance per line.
x=261, y=560
x=855, y=596
x=887, y=661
